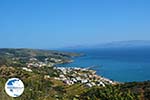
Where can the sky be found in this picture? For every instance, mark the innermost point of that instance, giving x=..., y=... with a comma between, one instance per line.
x=64, y=23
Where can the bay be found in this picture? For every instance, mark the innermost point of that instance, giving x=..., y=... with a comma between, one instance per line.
x=123, y=65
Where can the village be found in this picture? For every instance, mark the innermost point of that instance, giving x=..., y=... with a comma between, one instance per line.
x=84, y=76
x=70, y=75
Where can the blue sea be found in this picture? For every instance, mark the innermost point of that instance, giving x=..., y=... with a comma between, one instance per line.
x=123, y=65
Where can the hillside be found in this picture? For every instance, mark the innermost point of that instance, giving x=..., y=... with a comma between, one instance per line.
x=40, y=87
x=34, y=57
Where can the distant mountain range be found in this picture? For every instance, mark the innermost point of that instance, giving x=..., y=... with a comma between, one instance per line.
x=116, y=45
x=126, y=44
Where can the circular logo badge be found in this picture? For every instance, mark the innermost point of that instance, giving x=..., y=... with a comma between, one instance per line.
x=14, y=87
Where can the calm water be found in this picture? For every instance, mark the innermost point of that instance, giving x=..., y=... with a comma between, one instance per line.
x=120, y=65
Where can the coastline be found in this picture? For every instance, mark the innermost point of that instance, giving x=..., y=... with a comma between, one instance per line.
x=86, y=76
x=115, y=65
